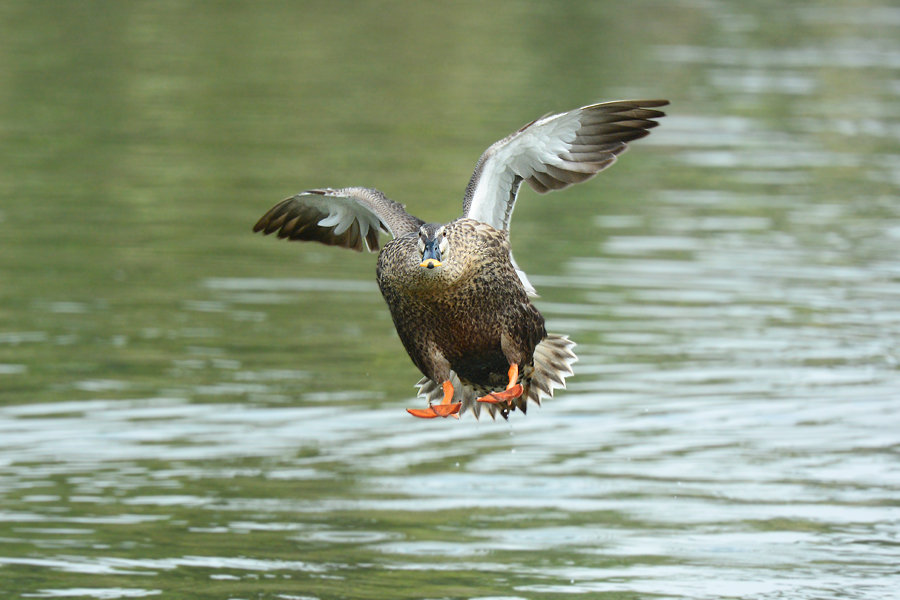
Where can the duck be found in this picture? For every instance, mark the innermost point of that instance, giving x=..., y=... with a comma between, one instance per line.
x=460, y=303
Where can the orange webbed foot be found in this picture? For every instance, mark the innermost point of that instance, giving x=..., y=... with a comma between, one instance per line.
x=444, y=409
x=507, y=395
x=422, y=413
x=436, y=410
x=513, y=389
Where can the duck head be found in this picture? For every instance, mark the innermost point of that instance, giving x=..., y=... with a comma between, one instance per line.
x=433, y=245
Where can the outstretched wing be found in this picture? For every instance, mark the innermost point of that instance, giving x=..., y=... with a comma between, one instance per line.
x=349, y=217
x=554, y=152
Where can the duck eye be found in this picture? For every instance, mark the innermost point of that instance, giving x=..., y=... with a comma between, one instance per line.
x=444, y=246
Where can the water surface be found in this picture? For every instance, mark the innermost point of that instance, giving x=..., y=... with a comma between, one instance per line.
x=191, y=411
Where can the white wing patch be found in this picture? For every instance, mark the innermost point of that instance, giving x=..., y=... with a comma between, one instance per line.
x=520, y=155
x=342, y=213
x=349, y=217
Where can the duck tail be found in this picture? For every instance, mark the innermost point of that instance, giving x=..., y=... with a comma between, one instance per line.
x=553, y=359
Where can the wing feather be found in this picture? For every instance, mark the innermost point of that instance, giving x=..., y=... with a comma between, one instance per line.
x=554, y=152
x=348, y=217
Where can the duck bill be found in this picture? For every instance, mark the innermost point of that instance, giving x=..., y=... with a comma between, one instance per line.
x=431, y=258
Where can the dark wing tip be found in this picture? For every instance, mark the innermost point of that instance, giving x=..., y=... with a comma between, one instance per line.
x=274, y=218
x=631, y=104
x=293, y=220
x=605, y=132
x=635, y=109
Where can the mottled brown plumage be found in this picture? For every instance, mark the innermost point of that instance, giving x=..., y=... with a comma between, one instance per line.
x=471, y=316
x=458, y=300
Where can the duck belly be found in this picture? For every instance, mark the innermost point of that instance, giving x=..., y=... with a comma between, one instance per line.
x=483, y=368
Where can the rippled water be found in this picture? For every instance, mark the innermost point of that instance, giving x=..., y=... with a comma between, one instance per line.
x=191, y=411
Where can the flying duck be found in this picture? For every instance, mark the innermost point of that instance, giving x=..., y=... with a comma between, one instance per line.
x=460, y=303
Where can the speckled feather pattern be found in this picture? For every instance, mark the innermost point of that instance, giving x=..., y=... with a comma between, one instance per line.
x=470, y=316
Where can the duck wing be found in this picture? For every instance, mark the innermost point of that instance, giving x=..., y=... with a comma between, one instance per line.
x=348, y=217
x=554, y=152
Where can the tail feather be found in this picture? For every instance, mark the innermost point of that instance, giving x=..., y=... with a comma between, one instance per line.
x=553, y=359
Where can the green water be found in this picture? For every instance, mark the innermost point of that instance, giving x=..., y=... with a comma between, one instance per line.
x=188, y=410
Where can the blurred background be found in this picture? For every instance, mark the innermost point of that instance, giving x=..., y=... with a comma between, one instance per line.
x=194, y=411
